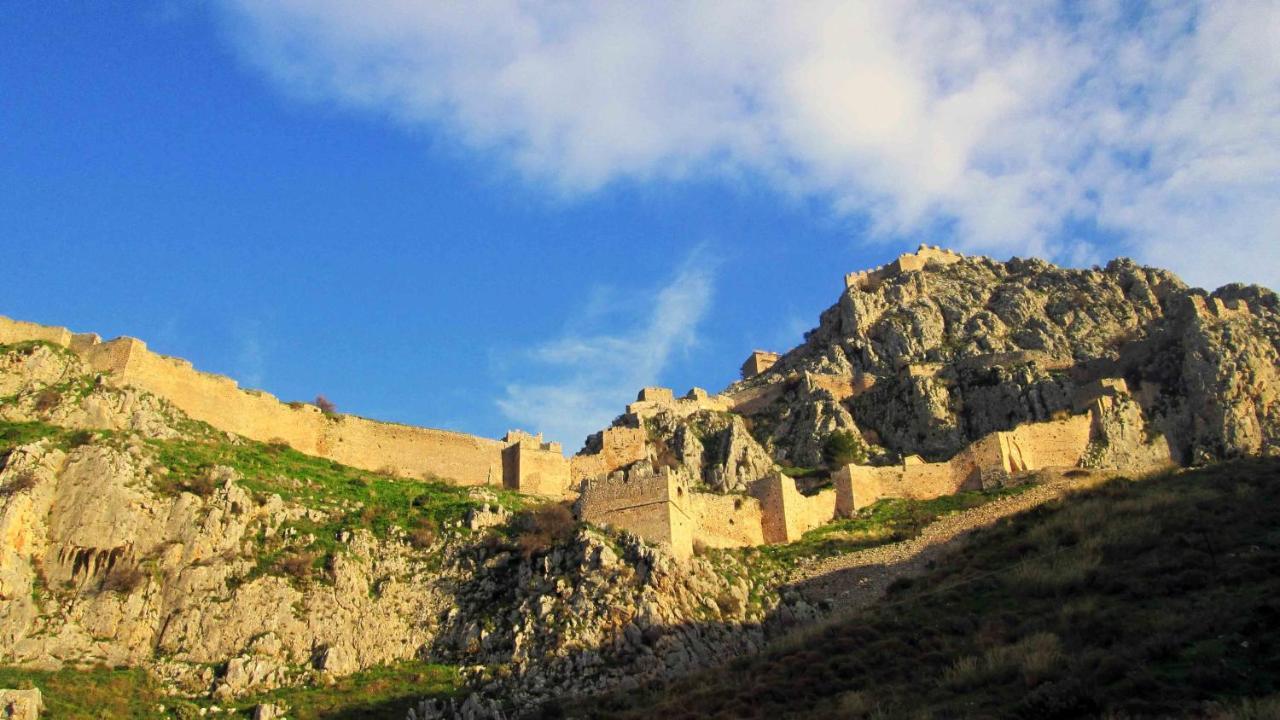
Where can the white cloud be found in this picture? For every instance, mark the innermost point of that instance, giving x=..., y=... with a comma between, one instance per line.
x=1003, y=120
x=599, y=373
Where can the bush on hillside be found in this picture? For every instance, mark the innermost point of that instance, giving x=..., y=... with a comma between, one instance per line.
x=543, y=527
x=123, y=578
x=297, y=565
x=844, y=447
x=47, y=399
x=21, y=483
x=326, y=405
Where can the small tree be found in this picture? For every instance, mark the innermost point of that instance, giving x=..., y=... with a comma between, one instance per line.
x=326, y=405
x=844, y=447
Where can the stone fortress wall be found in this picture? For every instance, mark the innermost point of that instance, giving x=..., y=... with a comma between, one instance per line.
x=907, y=262
x=1033, y=446
x=774, y=511
x=758, y=362
x=520, y=461
x=651, y=505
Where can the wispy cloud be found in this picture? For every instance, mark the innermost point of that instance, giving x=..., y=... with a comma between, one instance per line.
x=1000, y=122
x=595, y=374
x=251, y=363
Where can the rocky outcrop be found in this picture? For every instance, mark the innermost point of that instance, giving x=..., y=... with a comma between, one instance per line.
x=597, y=613
x=47, y=383
x=128, y=571
x=715, y=447
x=20, y=704
x=944, y=355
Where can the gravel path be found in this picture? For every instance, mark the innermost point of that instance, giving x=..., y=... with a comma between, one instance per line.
x=854, y=581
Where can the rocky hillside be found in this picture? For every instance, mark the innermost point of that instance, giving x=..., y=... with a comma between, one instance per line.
x=925, y=362
x=955, y=351
x=136, y=537
x=1148, y=599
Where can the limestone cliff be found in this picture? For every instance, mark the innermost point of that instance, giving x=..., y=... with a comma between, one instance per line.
x=927, y=360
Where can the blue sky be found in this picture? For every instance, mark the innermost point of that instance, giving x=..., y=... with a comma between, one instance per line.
x=515, y=215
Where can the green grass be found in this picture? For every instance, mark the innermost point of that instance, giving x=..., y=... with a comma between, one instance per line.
x=13, y=434
x=93, y=693
x=318, y=483
x=71, y=694
x=385, y=692
x=1151, y=598
x=350, y=499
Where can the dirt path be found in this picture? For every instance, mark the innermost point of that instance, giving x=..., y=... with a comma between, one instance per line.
x=855, y=580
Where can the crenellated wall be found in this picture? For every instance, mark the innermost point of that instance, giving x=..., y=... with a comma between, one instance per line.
x=907, y=262
x=405, y=450
x=652, y=401
x=651, y=505
x=620, y=447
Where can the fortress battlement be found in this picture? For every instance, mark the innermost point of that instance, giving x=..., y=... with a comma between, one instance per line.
x=907, y=262
x=654, y=400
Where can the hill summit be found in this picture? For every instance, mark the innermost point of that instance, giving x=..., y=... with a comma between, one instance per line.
x=223, y=547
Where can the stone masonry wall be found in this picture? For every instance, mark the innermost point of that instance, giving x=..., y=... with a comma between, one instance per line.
x=650, y=505
x=724, y=521
x=786, y=515
x=621, y=446
x=371, y=445
x=1057, y=443
x=536, y=471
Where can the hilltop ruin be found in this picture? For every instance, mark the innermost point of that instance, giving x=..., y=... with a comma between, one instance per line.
x=520, y=461
x=948, y=372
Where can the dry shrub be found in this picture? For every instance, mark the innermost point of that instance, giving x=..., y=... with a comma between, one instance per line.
x=47, y=399
x=543, y=527
x=1057, y=574
x=203, y=485
x=326, y=405
x=728, y=603
x=1036, y=658
x=424, y=535
x=21, y=483
x=699, y=547
x=123, y=578
x=80, y=438
x=297, y=565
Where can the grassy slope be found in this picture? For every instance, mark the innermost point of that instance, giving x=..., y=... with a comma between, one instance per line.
x=85, y=693
x=1152, y=598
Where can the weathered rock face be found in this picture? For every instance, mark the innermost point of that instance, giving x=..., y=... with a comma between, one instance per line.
x=597, y=613
x=713, y=446
x=952, y=352
x=97, y=567
x=53, y=385
x=796, y=425
x=20, y=704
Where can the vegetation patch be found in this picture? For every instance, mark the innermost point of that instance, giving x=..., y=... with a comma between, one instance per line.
x=93, y=693
x=1154, y=598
